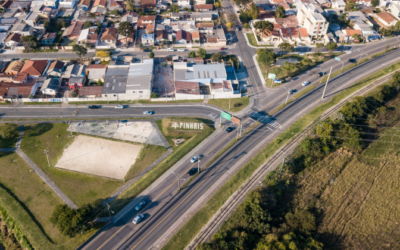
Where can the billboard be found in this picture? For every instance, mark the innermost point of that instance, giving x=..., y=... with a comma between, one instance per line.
x=236, y=120
x=226, y=115
x=271, y=76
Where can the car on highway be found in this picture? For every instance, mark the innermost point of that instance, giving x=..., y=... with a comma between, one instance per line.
x=94, y=106
x=194, y=159
x=192, y=171
x=148, y=112
x=320, y=74
x=170, y=49
x=222, y=48
x=138, y=219
x=306, y=83
x=292, y=91
x=140, y=205
x=181, y=50
x=229, y=129
x=119, y=107
x=352, y=60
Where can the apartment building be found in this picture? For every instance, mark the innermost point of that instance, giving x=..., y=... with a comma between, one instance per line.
x=309, y=18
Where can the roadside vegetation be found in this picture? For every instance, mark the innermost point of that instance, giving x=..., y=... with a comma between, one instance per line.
x=182, y=237
x=327, y=193
x=236, y=104
x=8, y=135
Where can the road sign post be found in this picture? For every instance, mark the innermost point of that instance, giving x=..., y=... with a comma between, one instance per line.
x=338, y=59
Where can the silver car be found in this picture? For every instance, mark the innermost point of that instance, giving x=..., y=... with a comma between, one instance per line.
x=140, y=205
x=138, y=219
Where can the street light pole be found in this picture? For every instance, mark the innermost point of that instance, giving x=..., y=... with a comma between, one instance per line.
x=198, y=166
x=46, y=151
x=323, y=94
x=287, y=97
x=179, y=186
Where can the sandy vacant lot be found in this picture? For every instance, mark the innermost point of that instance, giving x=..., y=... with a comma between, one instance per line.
x=99, y=157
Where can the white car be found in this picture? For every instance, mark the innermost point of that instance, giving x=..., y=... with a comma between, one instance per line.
x=148, y=112
x=138, y=219
x=170, y=49
x=194, y=159
x=139, y=205
x=119, y=107
x=305, y=83
x=181, y=50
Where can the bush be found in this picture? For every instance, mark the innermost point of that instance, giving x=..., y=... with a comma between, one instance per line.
x=70, y=221
x=9, y=131
x=151, y=54
x=154, y=95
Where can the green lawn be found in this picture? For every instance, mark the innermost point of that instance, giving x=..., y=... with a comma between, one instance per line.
x=192, y=140
x=30, y=202
x=253, y=41
x=236, y=105
x=80, y=188
x=182, y=237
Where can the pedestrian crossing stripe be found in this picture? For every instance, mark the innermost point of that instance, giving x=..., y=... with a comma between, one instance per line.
x=256, y=116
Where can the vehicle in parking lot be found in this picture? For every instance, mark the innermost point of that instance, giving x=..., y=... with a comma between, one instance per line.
x=194, y=159
x=181, y=50
x=320, y=74
x=229, y=129
x=305, y=83
x=192, y=171
x=148, y=112
x=138, y=219
x=140, y=205
x=292, y=91
x=94, y=107
x=352, y=60
x=119, y=107
x=170, y=49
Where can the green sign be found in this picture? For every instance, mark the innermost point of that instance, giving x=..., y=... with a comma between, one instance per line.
x=337, y=58
x=226, y=115
x=271, y=76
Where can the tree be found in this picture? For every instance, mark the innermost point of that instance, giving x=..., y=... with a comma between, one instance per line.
x=320, y=46
x=264, y=25
x=229, y=25
x=70, y=221
x=151, y=54
x=201, y=53
x=280, y=12
x=350, y=5
x=103, y=54
x=266, y=56
x=174, y=8
x=79, y=50
x=192, y=54
x=356, y=36
x=245, y=17
x=246, y=26
x=216, y=5
x=154, y=95
x=254, y=11
x=285, y=46
x=231, y=18
x=374, y=3
x=9, y=130
x=130, y=5
x=30, y=42
x=331, y=46
x=125, y=29
x=87, y=24
x=217, y=57
x=241, y=2
x=114, y=12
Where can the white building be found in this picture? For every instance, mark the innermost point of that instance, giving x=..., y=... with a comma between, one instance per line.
x=68, y=4
x=140, y=80
x=338, y=4
x=184, y=4
x=309, y=18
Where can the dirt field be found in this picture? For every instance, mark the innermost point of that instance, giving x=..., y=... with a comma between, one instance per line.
x=99, y=157
x=164, y=80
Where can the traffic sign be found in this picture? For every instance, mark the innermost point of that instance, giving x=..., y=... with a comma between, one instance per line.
x=271, y=76
x=337, y=58
x=226, y=115
x=236, y=120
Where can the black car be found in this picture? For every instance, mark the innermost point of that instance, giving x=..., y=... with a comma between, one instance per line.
x=192, y=171
x=94, y=107
x=147, y=50
x=320, y=74
x=292, y=91
x=352, y=60
x=229, y=129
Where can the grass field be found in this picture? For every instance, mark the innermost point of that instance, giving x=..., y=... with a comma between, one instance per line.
x=252, y=41
x=30, y=202
x=182, y=238
x=80, y=188
x=291, y=99
x=192, y=140
x=240, y=103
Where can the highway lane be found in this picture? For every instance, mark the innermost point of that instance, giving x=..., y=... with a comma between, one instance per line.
x=154, y=226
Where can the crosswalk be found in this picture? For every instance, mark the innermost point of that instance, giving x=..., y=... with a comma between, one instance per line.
x=263, y=118
x=212, y=115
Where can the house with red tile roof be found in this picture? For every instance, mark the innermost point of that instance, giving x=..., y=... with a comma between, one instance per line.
x=22, y=90
x=204, y=7
x=147, y=4
x=183, y=37
x=34, y=68
x=386, y=18
x=74, y=30
x=108, y=39
x=143, y=21
x=101, y=3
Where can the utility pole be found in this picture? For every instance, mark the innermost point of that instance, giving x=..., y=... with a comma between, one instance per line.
x=109, y=212
x=240, y=128
x=323, y=94
x=342, y=66
x=198, y=166
x=287, y=97
x=179, y=186
x=46, y=151
x=229, y=103
x=280, y=171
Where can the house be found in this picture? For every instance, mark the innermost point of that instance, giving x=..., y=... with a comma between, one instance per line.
x=274, y=36
x=4, y=86
x=22, y=90
x=196, y=36
x=183, y=37
x=204, y=7
x=108, y=39
x=88, y=36
x=207, y=28
x=129, y=18
x=74, y=30
x=13, y=40
x=55, y=69
x=67, y=4
x=99, y=10
x=51, y=3
x=101, y=3
x=21, y=5
x=147, y=4
x=211, y=39
x=48, y=38
x=84, y=4
x=76, y=82
x=221, y=36
x=122, y=40
x=148, y=39
x=201, y=17
x=21, y=78
x=34, y=68
x=184, y=4
x=115, y=81
x=314, y=22
x=161, y=36
x=90, y=91
x=143, y=21
x=349, y=32
x=386, y=18
x=50, y=87
x=14, y=67
x=150, y=28
x=22, y=28
x=140, y=80
x=182, y=15
x=6, y=77
x=116, y=5
x=324, y=3
x=96, y=72
x=338, y=4
x=74, y=70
